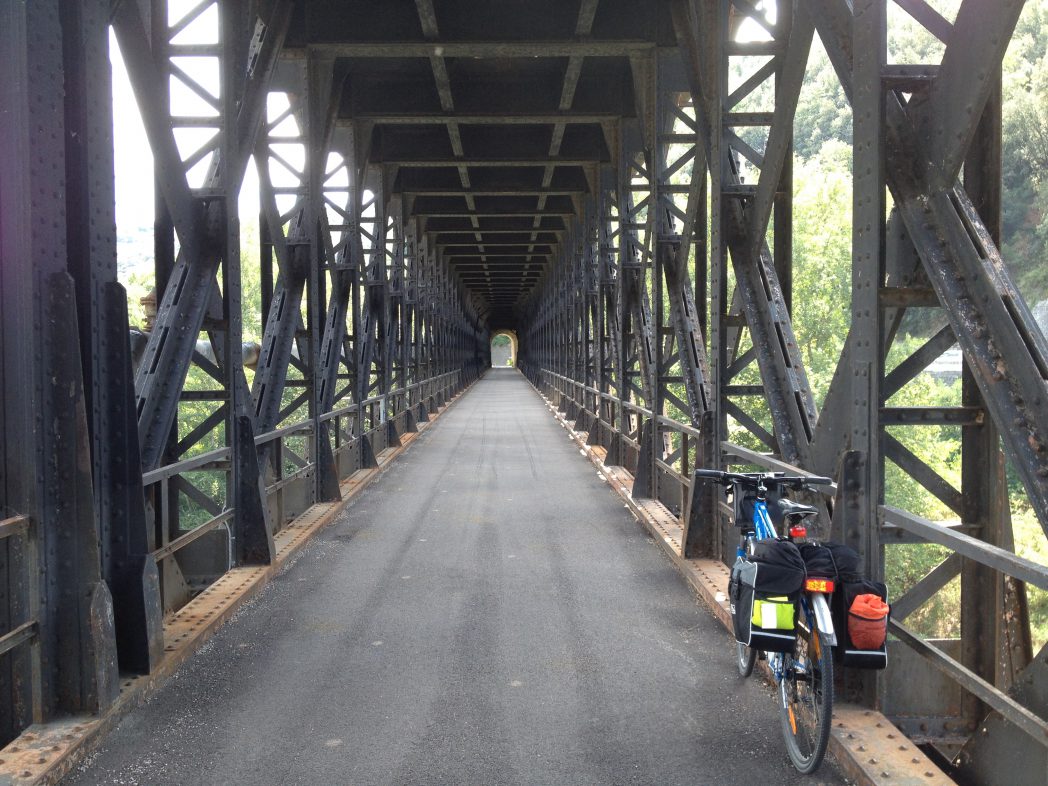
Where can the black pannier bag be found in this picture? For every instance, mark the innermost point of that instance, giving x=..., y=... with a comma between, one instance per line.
x=818, y=561
x=846, y=560
x=763, y=592
x=848, y=654
x=831, y=561
x=782, y=567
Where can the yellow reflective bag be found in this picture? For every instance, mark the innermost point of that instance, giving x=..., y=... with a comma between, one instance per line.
x=774, y=612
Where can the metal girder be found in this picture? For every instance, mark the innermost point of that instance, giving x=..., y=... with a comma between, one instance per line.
x=62, y=657
x=500, y=162
x=672, y=252
x=480, y=49
x=992, y=323
x=200, y=225
x=477, y=119
x=975, y=47
x=762, y=298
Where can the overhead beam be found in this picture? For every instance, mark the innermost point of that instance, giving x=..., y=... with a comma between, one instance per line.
x=496, y=119
x=476, y=49
x=525, y=213
x=483, y=192
x=471, y=162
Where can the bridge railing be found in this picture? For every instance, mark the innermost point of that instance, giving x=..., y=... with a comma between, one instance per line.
x=602, y=413
x=21, y=636
x=599, y=413
x=358, y=433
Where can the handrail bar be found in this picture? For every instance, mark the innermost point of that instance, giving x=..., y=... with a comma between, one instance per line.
x=185, y=465
x=984, y=553
x=1008, y=707
x=302, y=427
x=23, y=633
x=15, y=525
x=774, y=464
x=194, y=534
x=349, y=408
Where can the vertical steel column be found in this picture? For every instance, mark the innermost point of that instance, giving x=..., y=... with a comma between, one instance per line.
x=320, y=96
x=610, y=371
x=20, y=677
x=252, y=531
x=127, y=565
x=864, y=473
x=338, y=344
x=68, y=662
x=868, y=240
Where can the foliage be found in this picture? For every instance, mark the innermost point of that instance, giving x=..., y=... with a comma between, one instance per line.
x=1025, y=152
x=822, y=260
x=1031, y=543
x=824, y=114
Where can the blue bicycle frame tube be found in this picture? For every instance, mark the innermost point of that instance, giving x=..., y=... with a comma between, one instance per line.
x=762, y=525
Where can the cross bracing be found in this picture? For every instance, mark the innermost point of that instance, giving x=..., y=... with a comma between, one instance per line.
x=584, y=174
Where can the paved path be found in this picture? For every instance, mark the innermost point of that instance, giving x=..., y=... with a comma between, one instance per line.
x=487, y=612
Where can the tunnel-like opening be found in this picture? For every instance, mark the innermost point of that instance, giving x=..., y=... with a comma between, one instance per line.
x=503, y=349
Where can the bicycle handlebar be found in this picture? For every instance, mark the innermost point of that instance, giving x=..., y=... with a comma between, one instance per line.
x=755, y=479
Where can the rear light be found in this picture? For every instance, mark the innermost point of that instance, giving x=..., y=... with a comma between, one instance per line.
x=818, y=585
x=798, y=531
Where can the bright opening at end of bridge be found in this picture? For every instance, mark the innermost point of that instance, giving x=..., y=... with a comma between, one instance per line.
x=504, y=349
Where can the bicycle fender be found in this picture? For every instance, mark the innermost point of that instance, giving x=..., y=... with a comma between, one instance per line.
x=823, y=616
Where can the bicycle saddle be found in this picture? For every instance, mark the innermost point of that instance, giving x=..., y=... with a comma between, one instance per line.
x=795, y=510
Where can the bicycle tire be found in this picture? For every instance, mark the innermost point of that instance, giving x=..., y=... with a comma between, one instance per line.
x=806, y=700
x=745, y=657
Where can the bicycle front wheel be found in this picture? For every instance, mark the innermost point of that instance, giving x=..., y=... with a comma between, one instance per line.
x=806, y=700
x=744, y=659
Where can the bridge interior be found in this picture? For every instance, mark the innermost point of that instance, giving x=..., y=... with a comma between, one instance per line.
x=508, y=622
x=611, y=182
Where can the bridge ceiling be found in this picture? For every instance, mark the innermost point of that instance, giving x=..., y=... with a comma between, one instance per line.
x=489, y=119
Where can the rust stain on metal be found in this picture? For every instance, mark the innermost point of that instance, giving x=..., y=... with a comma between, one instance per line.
x=872, y=750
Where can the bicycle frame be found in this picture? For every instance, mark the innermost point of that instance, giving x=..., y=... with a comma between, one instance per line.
x=762, y=525
x=804, y=678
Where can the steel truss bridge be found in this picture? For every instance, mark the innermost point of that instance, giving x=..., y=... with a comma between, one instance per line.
x=431, y=172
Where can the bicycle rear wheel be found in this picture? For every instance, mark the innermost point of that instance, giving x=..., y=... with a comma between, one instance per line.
x=744, y=659
x=806, y=700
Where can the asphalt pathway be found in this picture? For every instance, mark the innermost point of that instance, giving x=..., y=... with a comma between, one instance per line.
x=486, y=612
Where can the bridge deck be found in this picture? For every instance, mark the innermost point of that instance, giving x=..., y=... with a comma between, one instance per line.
x=505, y=622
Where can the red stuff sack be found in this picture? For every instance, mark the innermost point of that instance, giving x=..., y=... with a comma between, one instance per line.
x=868, y=622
